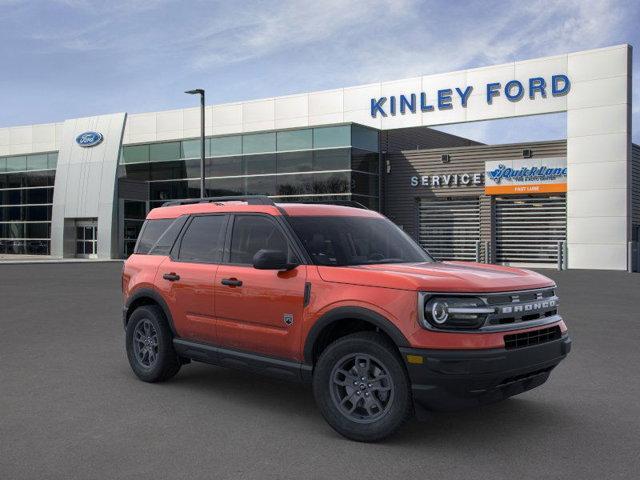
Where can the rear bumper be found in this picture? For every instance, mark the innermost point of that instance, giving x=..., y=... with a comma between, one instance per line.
x=454, y=379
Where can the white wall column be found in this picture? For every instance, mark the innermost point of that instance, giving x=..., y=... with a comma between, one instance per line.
x=599, y=158
x=86, y=182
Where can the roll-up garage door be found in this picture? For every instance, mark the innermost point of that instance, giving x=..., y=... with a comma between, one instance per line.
x=450, y=228
x=528, y=229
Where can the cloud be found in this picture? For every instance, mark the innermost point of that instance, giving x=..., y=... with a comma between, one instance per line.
x=258, y=48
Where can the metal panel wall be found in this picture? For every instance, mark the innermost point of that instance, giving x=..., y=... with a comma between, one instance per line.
x=528, y=228
x=635, y=184
x=416, y=138
x=450, y=228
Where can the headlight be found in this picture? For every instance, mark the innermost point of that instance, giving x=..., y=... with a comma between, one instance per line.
x=454, y=312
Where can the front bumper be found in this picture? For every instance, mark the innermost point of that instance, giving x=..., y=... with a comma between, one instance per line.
x=454, y=379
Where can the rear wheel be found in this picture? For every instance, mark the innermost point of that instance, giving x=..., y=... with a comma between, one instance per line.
x=362, y=388
x=150, y=345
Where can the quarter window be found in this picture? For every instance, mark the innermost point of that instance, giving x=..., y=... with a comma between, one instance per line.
x=151, y=232
x=204, y=239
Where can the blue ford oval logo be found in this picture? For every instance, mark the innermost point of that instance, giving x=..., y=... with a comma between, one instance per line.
x=89, y=139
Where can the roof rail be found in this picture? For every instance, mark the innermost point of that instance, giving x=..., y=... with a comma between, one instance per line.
x=342, y=203
x=250, y=199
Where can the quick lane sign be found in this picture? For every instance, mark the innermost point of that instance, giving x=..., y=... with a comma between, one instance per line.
x=445, y=99
x=526, y=175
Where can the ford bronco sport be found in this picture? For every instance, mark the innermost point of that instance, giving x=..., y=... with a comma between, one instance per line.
x=339, y=297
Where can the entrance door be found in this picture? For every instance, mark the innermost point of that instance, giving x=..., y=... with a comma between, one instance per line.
x=528, y=229
x=450, y=228
x=259, y=310
x=87, y=238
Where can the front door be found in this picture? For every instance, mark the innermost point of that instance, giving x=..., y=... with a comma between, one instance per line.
x=186, y=280
x=259, y=310
x=86, y=238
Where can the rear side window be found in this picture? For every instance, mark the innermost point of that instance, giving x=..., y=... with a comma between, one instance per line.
x=168, y=238
x=151, y=232
x=203, y=240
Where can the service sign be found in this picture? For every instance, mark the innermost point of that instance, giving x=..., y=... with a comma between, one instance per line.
x=526, y=175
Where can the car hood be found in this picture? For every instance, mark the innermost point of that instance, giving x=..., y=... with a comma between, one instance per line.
x=438, y=277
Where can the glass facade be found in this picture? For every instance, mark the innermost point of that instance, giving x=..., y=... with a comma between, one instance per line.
x=310, y=164
x=26, y=197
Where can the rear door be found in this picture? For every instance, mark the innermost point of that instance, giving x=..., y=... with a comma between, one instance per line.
x=186, y=279
x=259, y=310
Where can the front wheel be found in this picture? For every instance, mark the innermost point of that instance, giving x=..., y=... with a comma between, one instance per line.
x=362, y=388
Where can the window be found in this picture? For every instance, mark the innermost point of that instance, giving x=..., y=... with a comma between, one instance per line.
x=327, y=137
x=168, y=170
x=252, y=233
x=150, y=234
x=364, y=161
x=223, y=146
x=52, y=160
x=295, y=140
x=167, y=239
x=138, y=171
x=37, y=162
x=332, y=159
x=295, y=162
x=135, y=154
x=204, y=239
x=223, y=187
x=340, y=241
x=16, y=164
x=160, y=152
x=364, y=138
x=294, y=184
x=260, y=164
x=261, y=185
x=224, y=166
x=259, y=143
x=192, y=148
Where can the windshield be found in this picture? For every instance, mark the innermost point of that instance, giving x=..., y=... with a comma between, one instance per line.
x=342, y=241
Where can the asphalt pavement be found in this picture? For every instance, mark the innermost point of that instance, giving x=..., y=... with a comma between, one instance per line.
x=70, y=407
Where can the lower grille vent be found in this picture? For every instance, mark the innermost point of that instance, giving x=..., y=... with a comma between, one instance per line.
x=535, y=337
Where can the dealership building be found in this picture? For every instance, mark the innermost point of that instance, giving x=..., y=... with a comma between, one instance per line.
x=82, y=187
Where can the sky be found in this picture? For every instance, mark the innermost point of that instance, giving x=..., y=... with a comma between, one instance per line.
x=73, y=58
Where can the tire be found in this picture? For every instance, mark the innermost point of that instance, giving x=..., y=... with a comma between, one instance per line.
x=384, y=403
x=152, y=357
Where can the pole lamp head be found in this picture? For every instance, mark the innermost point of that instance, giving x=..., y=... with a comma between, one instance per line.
x=197, y=91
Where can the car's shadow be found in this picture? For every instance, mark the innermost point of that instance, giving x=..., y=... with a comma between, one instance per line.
x=473, y=427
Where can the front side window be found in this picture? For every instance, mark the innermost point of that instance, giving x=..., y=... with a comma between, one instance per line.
x=252, y=233
x=203, y=241
x=345, y=241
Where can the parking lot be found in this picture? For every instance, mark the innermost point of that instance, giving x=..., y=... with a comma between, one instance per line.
x=71, y=408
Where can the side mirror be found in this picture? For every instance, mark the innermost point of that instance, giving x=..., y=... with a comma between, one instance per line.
x=272, y=260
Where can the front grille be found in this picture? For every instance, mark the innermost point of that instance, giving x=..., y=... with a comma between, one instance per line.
x=535, y=337
x=519, y=307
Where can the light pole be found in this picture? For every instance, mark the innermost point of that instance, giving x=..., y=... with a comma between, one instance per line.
x=200, y=91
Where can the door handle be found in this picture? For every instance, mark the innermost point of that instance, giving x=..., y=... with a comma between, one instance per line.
x=231, y=282
x=172, y=277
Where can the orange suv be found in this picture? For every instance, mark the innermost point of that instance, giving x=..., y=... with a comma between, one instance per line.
x=339, y=297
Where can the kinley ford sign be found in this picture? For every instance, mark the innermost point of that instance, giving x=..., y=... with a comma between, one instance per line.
x=504, y=177
x=445, y=99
